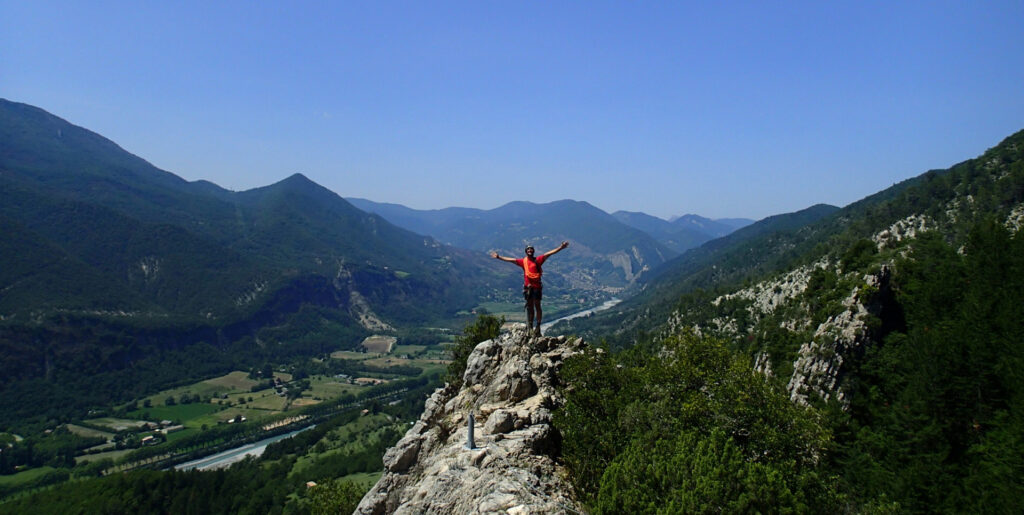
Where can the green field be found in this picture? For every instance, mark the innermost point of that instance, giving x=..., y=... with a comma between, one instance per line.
x=266, y=400
x=223, y=398
x=25, y=476
x=365, y=479
x=263, y=399
x=428, y=365
x=204, y=389
x=411, y=350
x=355, y=356
x=234, y=381
x=180, y=413
x=330, y=388
x=232, y=384
x=438, y=355
x=355, y=446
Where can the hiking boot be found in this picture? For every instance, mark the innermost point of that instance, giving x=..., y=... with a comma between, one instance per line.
x=536, y=332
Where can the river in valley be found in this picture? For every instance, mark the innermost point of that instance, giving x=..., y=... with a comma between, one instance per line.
x=586, y=312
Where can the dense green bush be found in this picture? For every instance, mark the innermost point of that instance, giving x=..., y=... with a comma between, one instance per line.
x=688, y=426
x=338, y=496
x=484, y=328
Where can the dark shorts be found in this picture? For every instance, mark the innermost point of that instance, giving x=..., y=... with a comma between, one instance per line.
x=531, y=293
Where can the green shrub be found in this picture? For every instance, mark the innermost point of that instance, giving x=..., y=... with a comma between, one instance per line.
x=688, y=427
x=338, y=496
x=484, y=328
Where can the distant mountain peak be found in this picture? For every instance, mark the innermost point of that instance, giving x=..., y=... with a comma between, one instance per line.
x=298, y=180
x=299, y=183
x=297, y=176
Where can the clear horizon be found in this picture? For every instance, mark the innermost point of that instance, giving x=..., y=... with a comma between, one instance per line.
x=731, y=110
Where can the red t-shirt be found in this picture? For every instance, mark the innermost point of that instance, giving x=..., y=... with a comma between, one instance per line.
x=531, y=270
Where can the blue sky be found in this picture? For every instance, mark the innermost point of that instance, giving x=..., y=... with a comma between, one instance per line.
x=724, y=109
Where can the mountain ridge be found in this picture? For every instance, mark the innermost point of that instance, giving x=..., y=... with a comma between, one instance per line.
x=90, y=171
x=681, y=233
x=606, y=256
x=131, y=250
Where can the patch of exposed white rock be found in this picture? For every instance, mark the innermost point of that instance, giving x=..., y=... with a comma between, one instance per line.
x=258, y=287
x=623, y=260
x=1015, y=220
x=150, y=268
x=358, y=307
x=510, y=387
x=906, y=228
x=765, y=297
x=818, y=368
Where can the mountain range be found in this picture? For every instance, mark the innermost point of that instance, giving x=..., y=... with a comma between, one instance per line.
x=99, y=242
x=112, y=267
x=606, y=255
x=684, y=232
x=610, y=252
x=117, y=235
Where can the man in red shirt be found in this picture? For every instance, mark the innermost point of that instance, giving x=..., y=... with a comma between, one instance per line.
x=531, y=280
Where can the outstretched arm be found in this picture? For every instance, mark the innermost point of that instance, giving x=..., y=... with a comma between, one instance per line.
x=503, y=258
x=557, y=249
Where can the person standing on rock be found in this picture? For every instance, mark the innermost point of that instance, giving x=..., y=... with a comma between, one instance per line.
x=532, y=287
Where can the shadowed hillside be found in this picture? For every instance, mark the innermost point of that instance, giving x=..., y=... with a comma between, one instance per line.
x=98, y=242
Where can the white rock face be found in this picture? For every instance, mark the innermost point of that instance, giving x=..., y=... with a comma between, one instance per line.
x=510, y=388
x=621, y=260
x=906, y=228
x=819, y=366
x=1016, y=218
x=821, y=363
x=766, y=297
x=360, y=309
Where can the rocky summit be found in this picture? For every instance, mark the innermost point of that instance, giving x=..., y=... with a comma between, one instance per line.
x=510, y=389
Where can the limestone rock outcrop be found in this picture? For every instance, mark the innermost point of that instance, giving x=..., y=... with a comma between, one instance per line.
x=510, y=388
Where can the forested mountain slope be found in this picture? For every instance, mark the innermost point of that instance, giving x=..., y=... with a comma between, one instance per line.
x=896, y=321
x=108, y=261
x=110, y=209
